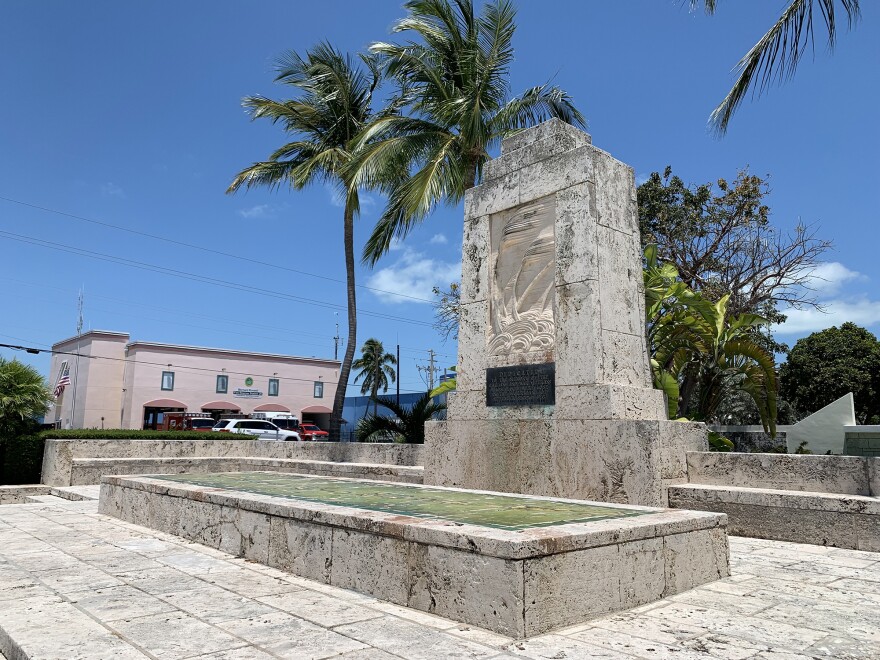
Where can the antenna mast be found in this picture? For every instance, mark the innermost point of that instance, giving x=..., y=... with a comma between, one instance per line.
x=79, y=326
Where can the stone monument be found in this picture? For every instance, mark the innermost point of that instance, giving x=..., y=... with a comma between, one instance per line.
x=554, y=386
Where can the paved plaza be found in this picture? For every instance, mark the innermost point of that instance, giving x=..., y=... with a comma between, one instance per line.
x=76, y=584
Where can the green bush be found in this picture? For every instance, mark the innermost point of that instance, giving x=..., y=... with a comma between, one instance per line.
x=21, y=454
x=136, y=434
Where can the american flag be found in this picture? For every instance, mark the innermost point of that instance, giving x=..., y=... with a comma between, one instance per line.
x=63, y=379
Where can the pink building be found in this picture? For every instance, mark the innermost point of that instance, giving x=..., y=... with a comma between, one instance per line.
x=117, y=383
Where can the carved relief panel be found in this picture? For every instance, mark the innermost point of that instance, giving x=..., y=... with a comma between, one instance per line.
x=522, y=287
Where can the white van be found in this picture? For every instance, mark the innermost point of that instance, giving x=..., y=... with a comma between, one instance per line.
x=282, y=420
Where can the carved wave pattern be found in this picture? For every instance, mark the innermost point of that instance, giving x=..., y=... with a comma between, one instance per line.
x=530, y=332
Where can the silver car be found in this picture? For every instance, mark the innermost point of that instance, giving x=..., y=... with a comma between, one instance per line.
x=260, y=428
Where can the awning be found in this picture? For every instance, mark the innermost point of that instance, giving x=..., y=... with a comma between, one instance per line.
x=318, y=409
x=272, y=407
x=164, y=403
x=220, y=405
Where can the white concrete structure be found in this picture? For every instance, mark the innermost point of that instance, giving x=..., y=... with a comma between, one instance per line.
x=117, y=383
x=824, y=430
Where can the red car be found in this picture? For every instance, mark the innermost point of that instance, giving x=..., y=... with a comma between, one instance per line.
x=309, y=431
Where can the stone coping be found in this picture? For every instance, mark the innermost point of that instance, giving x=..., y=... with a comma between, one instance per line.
x=330, y=466
x=524, y=544
x=847, y=475
x=789, y=499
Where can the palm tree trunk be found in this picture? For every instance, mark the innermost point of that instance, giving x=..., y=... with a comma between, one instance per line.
x=470, y=173
x=345, y=370
x=375, y=394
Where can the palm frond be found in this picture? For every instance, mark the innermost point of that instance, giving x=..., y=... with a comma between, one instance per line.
x=534, y=106
x=271, y=174
x=776, y=54
x=410, y=202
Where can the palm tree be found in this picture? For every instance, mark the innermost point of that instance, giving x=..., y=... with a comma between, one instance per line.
x=407, y=424
x=332, y=106
x=375, y=368
x=778, y=52
x=454, y=85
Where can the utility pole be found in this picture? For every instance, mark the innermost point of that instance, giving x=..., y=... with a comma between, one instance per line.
x=336, y=338
x=79, y=326
x=430, y=370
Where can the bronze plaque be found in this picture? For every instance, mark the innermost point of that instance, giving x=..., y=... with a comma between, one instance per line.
x=523, y=385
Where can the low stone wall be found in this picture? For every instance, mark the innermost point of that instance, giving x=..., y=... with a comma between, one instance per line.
x=852, y=475
x=59, y=455
x=840, y=521
x=88, y=471
x=21, y=494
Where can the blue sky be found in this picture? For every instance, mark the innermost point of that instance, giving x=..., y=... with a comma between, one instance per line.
x=130, y=114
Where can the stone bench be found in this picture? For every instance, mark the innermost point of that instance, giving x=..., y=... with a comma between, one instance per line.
x=832, y=519
x=88, y=471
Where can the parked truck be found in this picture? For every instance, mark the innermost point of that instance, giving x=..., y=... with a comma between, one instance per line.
x=182, y=421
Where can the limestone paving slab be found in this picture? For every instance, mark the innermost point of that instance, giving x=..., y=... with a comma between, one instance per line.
x=49, y=624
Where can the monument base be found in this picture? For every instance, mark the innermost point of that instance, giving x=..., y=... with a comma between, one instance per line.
x=520, y=566
x=614, y=460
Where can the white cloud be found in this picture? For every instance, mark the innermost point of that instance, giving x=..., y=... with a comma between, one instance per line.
x=258, y=211
x=827, y=278
x=861, y=311
x=395, y=245
x=336, y=197
x=438, y=239
x=413, y=275
x=110, y=189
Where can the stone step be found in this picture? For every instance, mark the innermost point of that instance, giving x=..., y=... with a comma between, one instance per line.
x=830, y=519
x=77, y=493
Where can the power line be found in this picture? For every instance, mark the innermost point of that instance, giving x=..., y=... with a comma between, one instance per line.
x=171, y=321
x=177, y=312
x=35, y=351
x=195, y=277
x=193, y=246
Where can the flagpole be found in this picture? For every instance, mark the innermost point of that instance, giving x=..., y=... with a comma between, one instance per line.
x=79, y=325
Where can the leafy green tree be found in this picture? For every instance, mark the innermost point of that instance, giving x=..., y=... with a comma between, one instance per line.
x=776, y=55
x=454, y=86
x=825, y=365
x=407, y=425
x=720, y=240
x=23, y=396
x=333, y=105
x=376, y=368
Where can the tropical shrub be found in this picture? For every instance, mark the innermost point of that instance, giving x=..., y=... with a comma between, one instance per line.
x=698, y=351
x=407, y=424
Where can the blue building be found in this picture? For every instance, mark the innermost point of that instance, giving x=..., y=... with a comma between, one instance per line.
x=356, y=408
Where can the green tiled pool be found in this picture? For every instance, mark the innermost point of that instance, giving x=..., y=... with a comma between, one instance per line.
x=509, y=512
